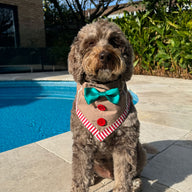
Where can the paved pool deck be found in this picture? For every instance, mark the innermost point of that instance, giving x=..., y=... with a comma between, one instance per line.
x=165, y=113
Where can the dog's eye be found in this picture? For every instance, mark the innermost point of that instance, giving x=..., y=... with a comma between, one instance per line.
x=90, y=43
x=114, y=42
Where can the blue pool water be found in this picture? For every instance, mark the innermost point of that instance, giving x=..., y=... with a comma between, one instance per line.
x=33, y=110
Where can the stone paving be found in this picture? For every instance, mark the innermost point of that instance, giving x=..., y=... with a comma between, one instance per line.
x=165, y=113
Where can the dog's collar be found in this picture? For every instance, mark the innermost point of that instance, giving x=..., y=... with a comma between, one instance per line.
x=106, y=86
x=103, y=83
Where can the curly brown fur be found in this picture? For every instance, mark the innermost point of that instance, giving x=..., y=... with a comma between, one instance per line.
x=99, y=54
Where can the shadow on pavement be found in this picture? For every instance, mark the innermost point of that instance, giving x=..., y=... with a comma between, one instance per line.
x=171, y=167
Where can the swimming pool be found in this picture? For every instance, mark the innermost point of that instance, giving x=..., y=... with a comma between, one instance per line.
x=33, y=110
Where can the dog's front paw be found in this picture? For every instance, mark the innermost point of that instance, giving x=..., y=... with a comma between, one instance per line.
x=136, y=187
x=137, y=184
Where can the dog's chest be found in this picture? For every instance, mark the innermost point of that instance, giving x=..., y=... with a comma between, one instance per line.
x=102, y=117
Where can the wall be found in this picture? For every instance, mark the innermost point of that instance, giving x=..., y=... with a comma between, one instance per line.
x=31, y=23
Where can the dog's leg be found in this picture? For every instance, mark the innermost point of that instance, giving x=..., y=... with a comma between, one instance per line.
x=125, y=163
x=141, y=161
x=82, y=168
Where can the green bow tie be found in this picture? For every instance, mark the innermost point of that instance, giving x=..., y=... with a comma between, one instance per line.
x=92, y=94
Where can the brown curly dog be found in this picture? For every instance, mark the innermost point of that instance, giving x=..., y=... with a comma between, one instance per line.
x=104, y=120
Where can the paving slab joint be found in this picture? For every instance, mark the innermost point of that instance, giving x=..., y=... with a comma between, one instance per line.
x=159, y=152
x=58, y=156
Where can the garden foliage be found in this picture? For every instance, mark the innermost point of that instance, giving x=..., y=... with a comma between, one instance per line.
x=162, y=41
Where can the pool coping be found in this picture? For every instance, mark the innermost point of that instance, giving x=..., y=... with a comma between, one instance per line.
x=37, y=76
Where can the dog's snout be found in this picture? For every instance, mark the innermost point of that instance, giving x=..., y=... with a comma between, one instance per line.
x=104, y=56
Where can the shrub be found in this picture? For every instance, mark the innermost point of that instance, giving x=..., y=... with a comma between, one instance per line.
x=162, y=42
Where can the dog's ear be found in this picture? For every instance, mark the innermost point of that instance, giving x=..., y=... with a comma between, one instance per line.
x=75, y=62
x=128, y=55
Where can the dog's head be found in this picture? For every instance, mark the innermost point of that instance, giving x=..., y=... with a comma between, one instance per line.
x=100, y=53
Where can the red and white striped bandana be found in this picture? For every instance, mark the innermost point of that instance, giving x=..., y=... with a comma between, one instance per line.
x=102, y=117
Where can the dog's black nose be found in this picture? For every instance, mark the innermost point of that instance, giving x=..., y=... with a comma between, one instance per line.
x=104, y=56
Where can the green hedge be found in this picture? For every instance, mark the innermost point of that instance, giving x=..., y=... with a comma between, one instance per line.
x=162, y=42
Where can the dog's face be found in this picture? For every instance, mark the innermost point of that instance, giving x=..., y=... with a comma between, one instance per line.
x=100, y=53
